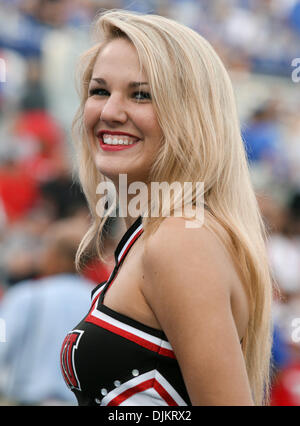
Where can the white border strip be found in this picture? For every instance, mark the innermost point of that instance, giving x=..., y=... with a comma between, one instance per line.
x=132, y=330
x=153, y=374
x=98, y=292
x=127, y=385
x=169, y=388
x=128, y=242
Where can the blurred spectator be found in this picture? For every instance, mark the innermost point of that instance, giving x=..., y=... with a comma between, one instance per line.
x=34, y=96
x=292, y=146
x=295, y=17
x=20, y=30
x=49, y=307
x=21, y=244
x=19, y=192
x=286, y=389
x=280, y=353
x=294, y=207
x=44, y=137
x=261, y=134
x=284, y=255
x=63, y=196
x=15, y=81
x=284, y=252
x=283, y=247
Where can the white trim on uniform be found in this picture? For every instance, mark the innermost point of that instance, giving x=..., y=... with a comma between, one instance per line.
x=128, y=242
x=148, y=396
x=129, y=329
x=96, y=294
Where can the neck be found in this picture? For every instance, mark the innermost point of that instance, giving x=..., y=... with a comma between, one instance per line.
x=132, y=199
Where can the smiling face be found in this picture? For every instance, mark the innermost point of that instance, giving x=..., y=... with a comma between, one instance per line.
x=119, y=116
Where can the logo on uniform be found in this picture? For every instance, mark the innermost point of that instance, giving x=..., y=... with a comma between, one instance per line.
x=67, y=354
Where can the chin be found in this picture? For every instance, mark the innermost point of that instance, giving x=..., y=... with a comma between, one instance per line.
x=113, y=172
x=131, y=176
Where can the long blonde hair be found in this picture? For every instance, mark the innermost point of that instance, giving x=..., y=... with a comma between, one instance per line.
x=195, y=105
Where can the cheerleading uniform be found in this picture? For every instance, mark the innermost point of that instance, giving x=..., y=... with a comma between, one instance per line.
x=110, y=359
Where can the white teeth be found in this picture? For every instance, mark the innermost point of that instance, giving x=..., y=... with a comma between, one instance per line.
x=107, y=140
x=115, y=141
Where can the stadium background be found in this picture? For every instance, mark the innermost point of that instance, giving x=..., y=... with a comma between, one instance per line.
x=40, y=41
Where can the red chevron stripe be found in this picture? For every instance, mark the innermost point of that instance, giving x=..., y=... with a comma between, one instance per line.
x=130, y=392
x=141, y=387
x=164, y=394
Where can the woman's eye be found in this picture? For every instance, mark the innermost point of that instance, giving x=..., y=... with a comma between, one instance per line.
x=99, y=92
x=142, y=96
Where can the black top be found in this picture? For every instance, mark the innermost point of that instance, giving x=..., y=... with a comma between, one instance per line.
x=111, y=359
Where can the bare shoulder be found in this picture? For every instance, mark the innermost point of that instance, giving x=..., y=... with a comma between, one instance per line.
x=188, y=282
x=187, y=251
x=195, y=261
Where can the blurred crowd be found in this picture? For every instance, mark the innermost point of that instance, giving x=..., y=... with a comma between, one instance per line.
x=44, y=215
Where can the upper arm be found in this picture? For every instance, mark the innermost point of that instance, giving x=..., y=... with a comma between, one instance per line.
x=187, y=283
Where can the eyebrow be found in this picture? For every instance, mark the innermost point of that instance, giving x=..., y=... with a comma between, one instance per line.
x=132, y=84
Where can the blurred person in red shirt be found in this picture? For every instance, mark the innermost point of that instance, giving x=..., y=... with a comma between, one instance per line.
x=19, y=192
x=40, y=130
x=286, y=389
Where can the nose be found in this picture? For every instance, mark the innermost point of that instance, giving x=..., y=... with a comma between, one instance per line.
x=114, y=110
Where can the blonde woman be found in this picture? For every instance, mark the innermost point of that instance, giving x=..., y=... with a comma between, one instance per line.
x=184, y=318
